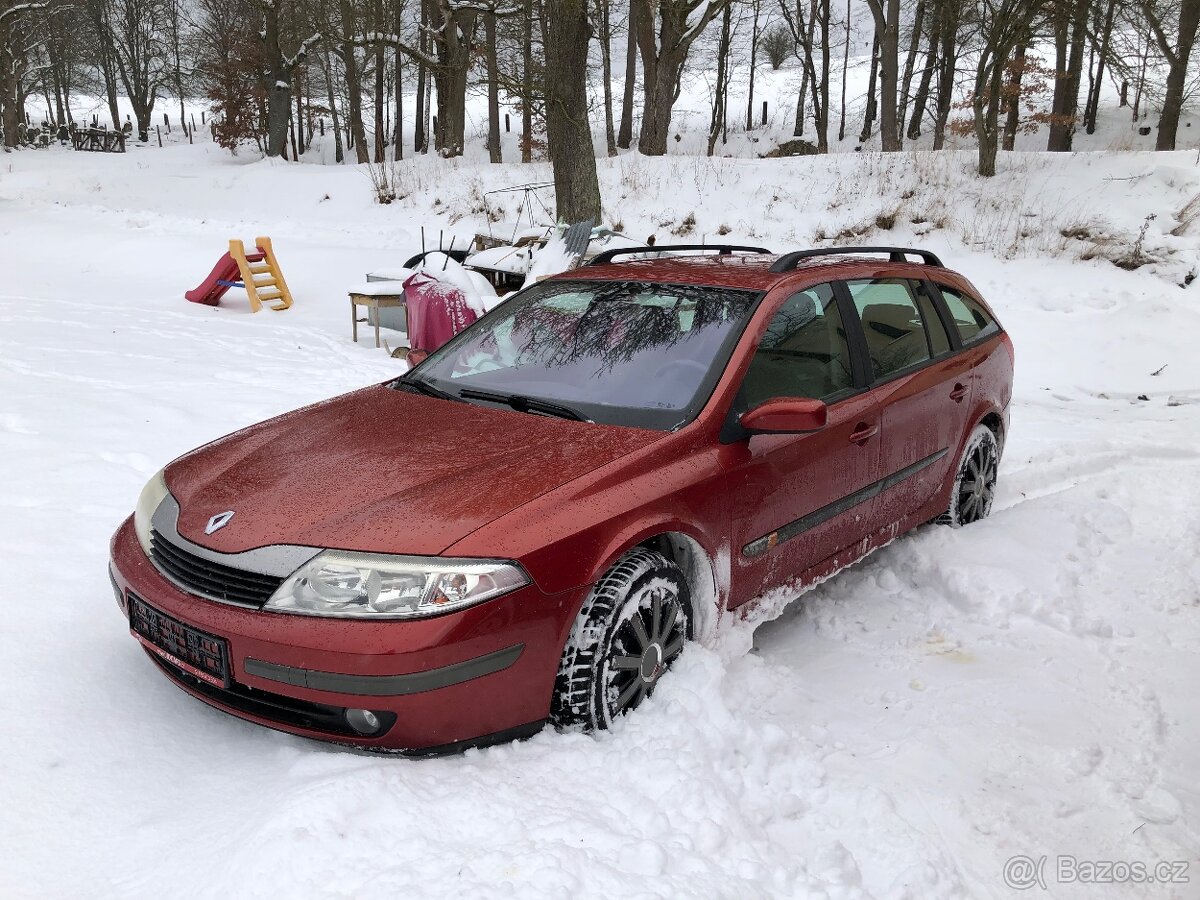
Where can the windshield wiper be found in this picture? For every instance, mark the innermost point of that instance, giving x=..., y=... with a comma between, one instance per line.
x=423, y=387
x=525, y=404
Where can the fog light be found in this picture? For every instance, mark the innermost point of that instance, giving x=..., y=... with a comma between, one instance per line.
x=363, y=721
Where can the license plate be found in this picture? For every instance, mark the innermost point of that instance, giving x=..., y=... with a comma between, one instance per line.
x=187, y=648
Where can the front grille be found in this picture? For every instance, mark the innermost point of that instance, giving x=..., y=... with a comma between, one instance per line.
x=209, y=579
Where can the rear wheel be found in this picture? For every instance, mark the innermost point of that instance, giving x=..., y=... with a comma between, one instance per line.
x=975, y=485
x=630, y=630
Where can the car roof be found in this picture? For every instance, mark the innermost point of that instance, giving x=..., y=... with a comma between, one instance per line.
x=752, y=271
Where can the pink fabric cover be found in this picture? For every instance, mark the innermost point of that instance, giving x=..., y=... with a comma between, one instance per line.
x=436, y=311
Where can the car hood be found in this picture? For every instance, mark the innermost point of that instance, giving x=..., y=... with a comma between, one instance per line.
x=383, y=470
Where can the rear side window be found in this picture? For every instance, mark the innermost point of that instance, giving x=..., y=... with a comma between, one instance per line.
x=939, y=341
x=972, y=319
x=804, y=352
x=892, y=324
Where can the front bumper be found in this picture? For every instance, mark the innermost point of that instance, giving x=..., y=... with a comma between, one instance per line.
x=479, y=675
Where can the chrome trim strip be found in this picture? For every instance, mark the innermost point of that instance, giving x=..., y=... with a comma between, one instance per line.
x=276, y=560
x=386, y=685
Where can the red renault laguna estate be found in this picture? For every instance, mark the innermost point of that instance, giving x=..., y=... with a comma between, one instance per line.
x=529, y=525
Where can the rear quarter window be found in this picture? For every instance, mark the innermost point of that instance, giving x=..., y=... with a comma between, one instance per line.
x=972, y=320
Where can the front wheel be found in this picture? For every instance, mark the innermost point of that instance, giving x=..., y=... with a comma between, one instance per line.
x=975, y=484
x=630, y=630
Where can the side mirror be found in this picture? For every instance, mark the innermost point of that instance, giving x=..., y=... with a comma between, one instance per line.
x=785, y=415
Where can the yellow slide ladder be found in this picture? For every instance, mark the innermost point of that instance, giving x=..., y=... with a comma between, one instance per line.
x=261, y=275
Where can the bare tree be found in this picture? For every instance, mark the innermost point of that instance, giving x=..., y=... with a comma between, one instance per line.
x=887, y=29
x=493, y=85
x=664, y=52
x=1070, y=31
x=1100, y=47
x=568, y=131
x=18, y=40
x=1003, y=25
x=1177, y=50
x=756, y=8
x=717, y=122
x=604, y=33
x=625, y=135
x=810, y=34
x=948, y=17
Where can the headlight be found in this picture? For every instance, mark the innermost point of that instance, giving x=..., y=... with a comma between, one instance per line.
x=371, y=585
x=152, y=494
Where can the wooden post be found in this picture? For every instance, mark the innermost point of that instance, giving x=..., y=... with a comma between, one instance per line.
x=194, y=120
x=321, y=125
x=507, y=124
x=764, y=116
x=201, y=117
x=190, y=131
x=158, y=131
x=167, y=123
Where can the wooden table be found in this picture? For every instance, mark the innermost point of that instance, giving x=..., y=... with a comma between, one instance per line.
x=371, y=301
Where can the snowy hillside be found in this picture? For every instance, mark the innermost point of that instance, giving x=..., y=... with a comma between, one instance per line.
x=1025, y=686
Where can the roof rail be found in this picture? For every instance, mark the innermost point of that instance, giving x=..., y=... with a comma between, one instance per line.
x=608, y=256
x=788, y=261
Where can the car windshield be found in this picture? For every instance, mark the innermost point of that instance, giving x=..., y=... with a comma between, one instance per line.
x=614, y=352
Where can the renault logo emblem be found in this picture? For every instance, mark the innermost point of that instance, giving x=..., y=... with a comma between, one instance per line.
x=219, y=521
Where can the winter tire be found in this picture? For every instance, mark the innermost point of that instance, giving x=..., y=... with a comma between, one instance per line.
x=975, y=483
x=630, y=630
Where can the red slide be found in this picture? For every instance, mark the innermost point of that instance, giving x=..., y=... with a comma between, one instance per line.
x=209, y=291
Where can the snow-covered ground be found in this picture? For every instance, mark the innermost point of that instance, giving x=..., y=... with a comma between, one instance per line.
x=1025, y=686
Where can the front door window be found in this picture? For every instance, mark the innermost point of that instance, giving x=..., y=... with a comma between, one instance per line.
x=804, y=352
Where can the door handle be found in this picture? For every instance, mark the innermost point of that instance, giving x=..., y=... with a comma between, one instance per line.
x=960, y=391
x=863, y=432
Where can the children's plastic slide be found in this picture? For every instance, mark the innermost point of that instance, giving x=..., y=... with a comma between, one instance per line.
x=222, y=277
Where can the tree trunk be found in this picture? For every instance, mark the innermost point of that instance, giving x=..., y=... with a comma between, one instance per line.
x=662, y=79
x=450, y=77
x=845, y=69
x=819, y=78
x=910, y=63
x=451, y=127
x=1070, y=41
x=625, y=135
x=279, y=86
x=1092, y=106
x=1012, y=99
x=420, y=140
x=10, y=115
x=986, y=104
x=610, y=134
x=339, y=154
x=299, y=117
x=576, y=188
x=527, y=82
x=1168, y=123
x=398, y=126
x=721, y=92
x=380, y=100
x=921, y=99
x=869, y=112
x=753, y=63
x=493, y=87
x=887, y=31
x=664, y=53
x=947, y=65
x=358, y=133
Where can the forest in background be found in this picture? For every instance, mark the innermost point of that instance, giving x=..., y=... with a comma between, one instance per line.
x=275, y=73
